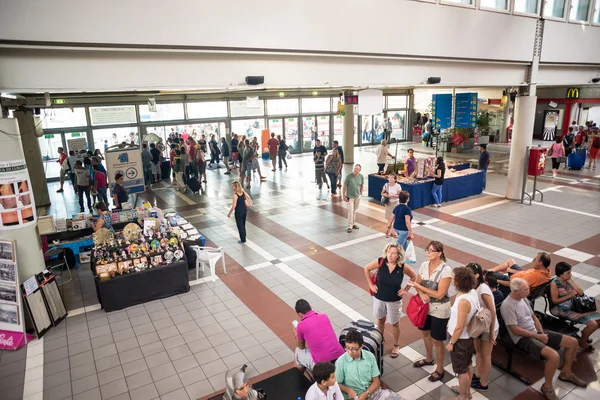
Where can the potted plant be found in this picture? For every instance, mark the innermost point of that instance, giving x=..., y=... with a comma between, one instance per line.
x=484, y=119
x=463, y=138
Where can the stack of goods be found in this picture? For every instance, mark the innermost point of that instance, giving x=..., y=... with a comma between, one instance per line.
x=464, y=172
x=184, y=229
x=61, y=224
x=133, y=250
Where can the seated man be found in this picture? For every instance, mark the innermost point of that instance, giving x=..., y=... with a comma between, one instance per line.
x=317, y=340
x=526, y=332
x=357, y=372
x=325, y=386
x=536, y=276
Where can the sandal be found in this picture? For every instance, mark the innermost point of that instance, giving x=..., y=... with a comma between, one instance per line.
x=422, y=363
x=349, y=230
x=589, y=349
x=395, y=355
x=436, y=376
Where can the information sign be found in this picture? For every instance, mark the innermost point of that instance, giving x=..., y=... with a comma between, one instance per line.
x=129, y=163
x=466, y=110
x=442, y=110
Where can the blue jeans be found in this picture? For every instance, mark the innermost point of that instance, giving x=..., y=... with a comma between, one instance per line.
x=402, y=236
x=437, y=193
x=333, y=180
x=506, y=278
x=102, y=195
x=484, y=177
x=148, y=174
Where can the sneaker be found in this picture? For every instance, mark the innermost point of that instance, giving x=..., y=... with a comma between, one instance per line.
x=227, y=173
x=59, y=191
x=477, y=385
x=573, y=379
x=549, y=393
x=475, y=378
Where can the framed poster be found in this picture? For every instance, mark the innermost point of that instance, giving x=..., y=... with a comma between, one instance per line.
x=17, y=206
x=550, y=124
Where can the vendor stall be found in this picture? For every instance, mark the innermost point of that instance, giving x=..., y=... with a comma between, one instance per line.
x=457, y=184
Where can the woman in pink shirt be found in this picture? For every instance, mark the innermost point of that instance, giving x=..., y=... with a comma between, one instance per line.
x=556, y=151
x=100, y=183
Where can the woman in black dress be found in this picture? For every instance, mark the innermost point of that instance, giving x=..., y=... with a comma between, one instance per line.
x=241, y=202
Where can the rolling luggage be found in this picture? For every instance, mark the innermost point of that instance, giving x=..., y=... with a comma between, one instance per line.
x=165, y=170
x=576, y=160
x=193, y=184
x=372, y=337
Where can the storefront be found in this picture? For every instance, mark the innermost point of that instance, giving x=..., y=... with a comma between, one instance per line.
x=299, y=119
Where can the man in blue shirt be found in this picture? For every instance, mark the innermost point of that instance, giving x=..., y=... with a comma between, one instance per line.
x=484, y=161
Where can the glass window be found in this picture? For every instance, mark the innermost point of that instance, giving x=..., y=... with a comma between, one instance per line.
x=104, y=138
x=241, y=109
x=398, y=120
x=309, y=127
x=49, y=145
x=276, y=126
x=356, y=130
x=282, y=106
x=207, y=109
x=63, y=117
x=249, y=128
x=496, y=4
x=526, y=6
x=579, y=10
x=596, y=16
x=467, y=2
x=315, y=105
x=555, y=8
x=323, y=130
x=112, y=115
x=164, y=112
x=396, y=102
x=291, y=134
x=338, y=128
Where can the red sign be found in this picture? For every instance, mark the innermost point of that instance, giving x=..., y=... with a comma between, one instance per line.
x=12, y=340
x=350, y=99
x=537, y=161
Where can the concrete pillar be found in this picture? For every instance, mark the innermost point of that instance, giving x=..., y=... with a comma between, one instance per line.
x=30, y=260
x=521, y=138
x=348, y=135
x=33, y=156
x=503, y=137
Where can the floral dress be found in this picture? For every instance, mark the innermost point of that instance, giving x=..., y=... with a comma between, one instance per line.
x=565, y=309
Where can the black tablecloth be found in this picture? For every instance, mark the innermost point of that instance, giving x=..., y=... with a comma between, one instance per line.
x=71, y=235
x=127, y=290
x=190, y=254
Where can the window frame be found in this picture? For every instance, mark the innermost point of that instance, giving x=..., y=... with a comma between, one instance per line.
x=563, y=18
x=589, y=15
x=472, y=6
x=525, y=14
x=594, y=12
x=498, y=10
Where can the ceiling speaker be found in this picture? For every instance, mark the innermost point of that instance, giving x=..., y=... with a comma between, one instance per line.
x=433, y=80
x=255, y=80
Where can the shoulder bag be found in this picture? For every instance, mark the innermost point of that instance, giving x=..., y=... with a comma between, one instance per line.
x=385, y=200
x=481, y=321
x=374, y=276
x=248, y=200
x=584, y=304
x=417, y=310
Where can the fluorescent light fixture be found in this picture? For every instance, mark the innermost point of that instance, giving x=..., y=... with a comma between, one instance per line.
x=8, y=96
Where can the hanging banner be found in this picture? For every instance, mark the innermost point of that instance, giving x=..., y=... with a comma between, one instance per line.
x=17, y=206
x=128, y=162
x=113, y=115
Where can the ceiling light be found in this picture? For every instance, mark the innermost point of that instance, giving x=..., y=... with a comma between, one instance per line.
x=8, y=96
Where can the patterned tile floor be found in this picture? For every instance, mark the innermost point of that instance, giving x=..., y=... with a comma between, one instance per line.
x=180, y=347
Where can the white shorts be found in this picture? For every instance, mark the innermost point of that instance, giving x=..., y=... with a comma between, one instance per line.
x=304, y=358
x=391, y=310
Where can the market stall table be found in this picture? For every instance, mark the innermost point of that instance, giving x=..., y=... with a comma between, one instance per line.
x=134, y=288
x=454, y=188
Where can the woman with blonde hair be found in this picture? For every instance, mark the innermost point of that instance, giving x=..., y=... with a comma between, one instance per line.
x=241, y=202
x=387, y=291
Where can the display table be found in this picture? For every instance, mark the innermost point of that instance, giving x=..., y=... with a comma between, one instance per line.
x=75, y=235
x=127, y=290
x=460, y=166
x=420, y=193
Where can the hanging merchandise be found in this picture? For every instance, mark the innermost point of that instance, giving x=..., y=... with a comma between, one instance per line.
x=17, y=206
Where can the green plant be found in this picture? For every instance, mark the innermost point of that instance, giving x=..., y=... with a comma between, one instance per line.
x=484, y=119
x=464, y=132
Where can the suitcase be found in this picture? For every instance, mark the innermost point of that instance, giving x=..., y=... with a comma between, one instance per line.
x=165, y=170
x=193, y=184
x=372, y=337
x=576, y=160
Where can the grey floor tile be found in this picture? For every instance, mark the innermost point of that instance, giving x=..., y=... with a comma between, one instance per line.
x=179, y=394
x=168, y=385
x=138, y=380
x=100, y=331
x=226, y=349
x=166, y=333
x=92, y=394
x=148, y=338
x=113, y=389
x=179, y=352
x=107, y=362
x=235, y=360
x=81, y=359
x=143, y=329
x=140, y=320
x=214, y=368
x=163, y=323
x=110, y=375
x=191, y=376
x=135, y=367
x=162, y=371
x=102, y=341
x=199, y=345
x=98, y=322
x=199, y=389
x=120, y=325
x=84, y=384
x=255, y=353
x=130, y=355
x=105, y=351
x=216, y=383
x=185, y=363
x=83, y=371
x=52, y=368
x=126, y=344
x=56, y=355
x=265, y=364
x=55, y=344
x=157, y=359
x=175, y=341
x=152, y=348
x=144, y=392
x=206, y=356
x=80, y=347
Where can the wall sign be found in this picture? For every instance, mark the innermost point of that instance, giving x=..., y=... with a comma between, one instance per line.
x=128, y=162
x=17, y=207
x=572, y=93
x=113, y=115
x=466, y=110
x=442, y=110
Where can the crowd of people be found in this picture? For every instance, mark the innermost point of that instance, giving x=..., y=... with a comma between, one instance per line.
x=583, y=137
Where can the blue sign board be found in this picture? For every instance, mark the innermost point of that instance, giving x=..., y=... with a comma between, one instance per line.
x=442, y=110
x=466, y=110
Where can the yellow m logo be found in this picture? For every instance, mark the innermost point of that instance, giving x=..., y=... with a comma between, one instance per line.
x=573, y=93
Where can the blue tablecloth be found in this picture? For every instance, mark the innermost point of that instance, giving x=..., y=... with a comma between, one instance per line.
x=461, y=166
x=420, y=193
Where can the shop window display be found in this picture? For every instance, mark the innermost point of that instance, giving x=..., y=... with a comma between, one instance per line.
x=309, y=129
x=555, y=8
x=396, y=102
x=241, y=109
x=398, y=121
x=63, y=117
x=323, y=130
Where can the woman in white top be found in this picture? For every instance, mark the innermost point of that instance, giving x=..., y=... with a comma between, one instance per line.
x=485, y=343
x=391, y=190
x=382, y=153
x=461, y=346
x=432, y=286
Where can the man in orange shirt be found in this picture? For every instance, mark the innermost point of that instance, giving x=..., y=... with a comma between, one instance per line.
x=538, y=275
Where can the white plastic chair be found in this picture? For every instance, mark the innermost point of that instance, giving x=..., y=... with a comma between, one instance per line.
x=210, y=256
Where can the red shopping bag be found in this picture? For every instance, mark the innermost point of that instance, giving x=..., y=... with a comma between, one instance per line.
x=417, y=311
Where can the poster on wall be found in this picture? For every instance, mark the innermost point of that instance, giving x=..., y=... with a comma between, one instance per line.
x=17, y=208
x=550, y=124
x=77, y=145
x=128, y=162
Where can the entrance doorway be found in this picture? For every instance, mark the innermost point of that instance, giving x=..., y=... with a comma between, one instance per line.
x=49, y=144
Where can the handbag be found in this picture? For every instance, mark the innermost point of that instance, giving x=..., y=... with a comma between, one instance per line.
x=384, y=199
x=247, y=200
x=374, y=276
x=584, y=304
x=417, y=311
x=481, y=322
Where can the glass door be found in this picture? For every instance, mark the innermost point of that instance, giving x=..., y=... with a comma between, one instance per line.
x=104, y=138
x=356, y=130
x=338, y=129
x=309, y=129
x=324, y=130
x=247, y=127
x=276, y=127
x=49, y=144
x=291, y=134
x=398, y=120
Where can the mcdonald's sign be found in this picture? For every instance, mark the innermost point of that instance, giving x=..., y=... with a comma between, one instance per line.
x=572, y=93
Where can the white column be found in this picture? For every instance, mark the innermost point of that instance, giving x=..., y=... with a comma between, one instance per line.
x=522, y=137
x=503, y=137
x=348, y=135
x=29, y=246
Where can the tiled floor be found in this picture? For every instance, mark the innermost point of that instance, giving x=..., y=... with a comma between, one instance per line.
x=180, y=347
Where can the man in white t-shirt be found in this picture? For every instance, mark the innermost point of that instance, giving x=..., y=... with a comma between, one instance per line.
x=325, y=386
x=527, y=333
